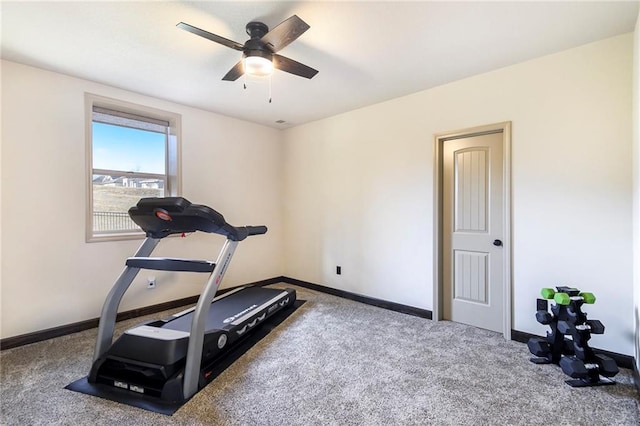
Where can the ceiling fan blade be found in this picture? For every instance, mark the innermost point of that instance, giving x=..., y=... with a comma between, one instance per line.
x=289, y=65
x=285, y=32
x=209, y=36
x=235, y=72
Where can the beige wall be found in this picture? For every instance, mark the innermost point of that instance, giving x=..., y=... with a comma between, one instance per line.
x=50, y=275
x=359, y=186
x=636, y=187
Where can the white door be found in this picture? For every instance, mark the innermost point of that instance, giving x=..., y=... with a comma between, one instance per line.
x=473, y=215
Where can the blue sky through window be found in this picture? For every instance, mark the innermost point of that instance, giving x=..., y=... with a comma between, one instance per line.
x=126, y=149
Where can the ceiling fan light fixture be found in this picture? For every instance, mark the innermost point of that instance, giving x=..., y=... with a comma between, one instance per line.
x=258, y=66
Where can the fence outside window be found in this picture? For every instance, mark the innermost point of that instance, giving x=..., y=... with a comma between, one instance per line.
x=113, y=222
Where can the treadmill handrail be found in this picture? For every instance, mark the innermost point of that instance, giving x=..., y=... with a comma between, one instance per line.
x=109, y=312
x=171, y=264
x=198, y=323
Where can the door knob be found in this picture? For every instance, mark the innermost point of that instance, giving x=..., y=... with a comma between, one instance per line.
x=497, y=243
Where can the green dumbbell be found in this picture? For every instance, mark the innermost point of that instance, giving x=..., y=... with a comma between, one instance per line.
x=547, y=293
x=589, y=298
x=562, y=298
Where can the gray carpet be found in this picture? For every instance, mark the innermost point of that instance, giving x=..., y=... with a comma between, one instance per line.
x=333, y=362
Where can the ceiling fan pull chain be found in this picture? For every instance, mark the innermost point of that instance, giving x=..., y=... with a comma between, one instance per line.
x=270, y=89
x=244, y=83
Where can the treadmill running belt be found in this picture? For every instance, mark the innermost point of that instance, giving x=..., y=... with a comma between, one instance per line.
x=228, y=309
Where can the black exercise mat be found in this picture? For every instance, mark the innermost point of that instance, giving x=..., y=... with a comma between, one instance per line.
x=169, y=408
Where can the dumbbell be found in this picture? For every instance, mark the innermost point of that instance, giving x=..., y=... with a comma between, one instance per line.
x=565, y=299
x=594, y=326
x=544, y=317
x=565, y=327
x=547, y=293
x=608, y=366
x=562, y=298
x=574, y=367
x=588, y=298
x=538, y=347
x=578, y=369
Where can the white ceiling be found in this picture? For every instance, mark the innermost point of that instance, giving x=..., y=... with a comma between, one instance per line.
x=366, y=51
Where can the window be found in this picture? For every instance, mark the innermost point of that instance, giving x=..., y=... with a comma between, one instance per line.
x=132, y=153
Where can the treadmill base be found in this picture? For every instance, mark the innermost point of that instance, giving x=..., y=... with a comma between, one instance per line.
x=169, y=408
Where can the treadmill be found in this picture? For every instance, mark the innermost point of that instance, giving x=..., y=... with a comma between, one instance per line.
x=171, y=359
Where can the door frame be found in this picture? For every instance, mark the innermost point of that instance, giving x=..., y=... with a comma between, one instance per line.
x=439, y=139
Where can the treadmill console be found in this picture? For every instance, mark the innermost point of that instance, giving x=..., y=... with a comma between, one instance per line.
x=160, y=217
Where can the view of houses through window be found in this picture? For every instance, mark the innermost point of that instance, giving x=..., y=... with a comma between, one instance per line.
x=113, y=195
x=128, y=163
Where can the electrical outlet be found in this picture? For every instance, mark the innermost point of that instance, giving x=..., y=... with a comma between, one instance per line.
x=339, y=270
x=151, y=282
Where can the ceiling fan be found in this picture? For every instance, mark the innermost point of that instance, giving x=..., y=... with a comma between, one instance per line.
x=259, y=57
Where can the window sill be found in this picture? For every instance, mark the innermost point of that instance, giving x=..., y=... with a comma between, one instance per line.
x=97, y=238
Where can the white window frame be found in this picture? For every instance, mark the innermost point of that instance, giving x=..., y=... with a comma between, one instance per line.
x=173, y=180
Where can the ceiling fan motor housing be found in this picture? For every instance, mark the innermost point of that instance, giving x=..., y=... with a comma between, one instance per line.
x=257, y=29
x=255, y=47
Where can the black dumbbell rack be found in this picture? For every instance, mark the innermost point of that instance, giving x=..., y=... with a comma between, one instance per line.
x=567, y=342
